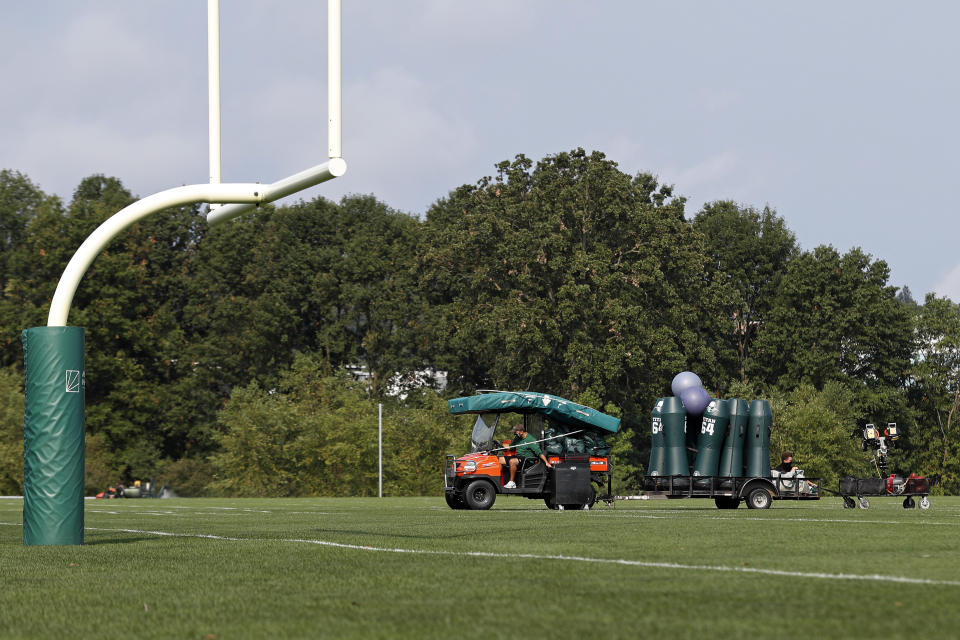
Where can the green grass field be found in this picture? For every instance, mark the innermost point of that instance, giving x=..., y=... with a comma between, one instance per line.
x=412, y=568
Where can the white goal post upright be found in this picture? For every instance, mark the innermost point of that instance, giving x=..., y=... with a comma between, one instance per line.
x=334, y=84
x=213, y=89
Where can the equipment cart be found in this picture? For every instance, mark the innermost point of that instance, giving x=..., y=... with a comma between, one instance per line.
x=892, y=486
x=879, y=442
x=727, y=493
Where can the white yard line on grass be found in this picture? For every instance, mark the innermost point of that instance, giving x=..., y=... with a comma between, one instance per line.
x=579, y=559
x=533, y=556
x=776, y=520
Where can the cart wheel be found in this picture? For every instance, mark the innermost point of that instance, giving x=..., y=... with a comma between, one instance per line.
x=864, y=503
x=848, y=503
x=550, y=503
x=759, y=498
x=924, y=503
x=454, y=501
x=908, y=503
x=724, y=502
x=479, y=495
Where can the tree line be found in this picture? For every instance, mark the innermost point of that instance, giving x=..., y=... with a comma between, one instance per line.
x=224, y=361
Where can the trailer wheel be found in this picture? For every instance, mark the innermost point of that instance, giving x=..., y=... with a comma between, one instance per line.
x=727, y=502
x=908, y=503
x=864, y=503
x=924, y=503
x=550, y=503
x=759, y=498
x=848, y=503
x=454, y=501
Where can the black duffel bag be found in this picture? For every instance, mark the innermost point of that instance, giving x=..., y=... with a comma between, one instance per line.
x=848, y=486
x=873, y=486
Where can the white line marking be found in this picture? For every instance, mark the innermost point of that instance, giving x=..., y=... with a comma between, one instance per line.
x=170, y=534
x=775, y=520
x=533, y=556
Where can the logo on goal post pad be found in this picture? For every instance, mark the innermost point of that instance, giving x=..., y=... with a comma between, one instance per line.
x=74, y=381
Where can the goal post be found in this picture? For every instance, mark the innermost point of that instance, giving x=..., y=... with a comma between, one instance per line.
x=54, y=360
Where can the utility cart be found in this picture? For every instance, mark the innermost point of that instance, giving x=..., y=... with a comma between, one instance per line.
x=879, y=444
x=570, y=435
x=863, y=489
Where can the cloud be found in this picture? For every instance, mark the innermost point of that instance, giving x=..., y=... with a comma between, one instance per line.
x=949, y=285
x=626, y=151
x=478, y=22
x=398, y=140
x=101, y=42
x=710, y=171
x=718, y=176
x=394, y=129
x=99, y=93
x=147, y=162
x=717, y=100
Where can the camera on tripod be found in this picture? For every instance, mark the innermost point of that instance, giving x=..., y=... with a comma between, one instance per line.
x=873, y=439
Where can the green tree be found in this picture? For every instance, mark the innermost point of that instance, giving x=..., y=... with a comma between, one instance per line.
x=340, y=276
x=748, y=254
x=816, y=425
x=20, y=201
x=566, y=276
x=11, y=432
x=219, y=352
x=31, y=226
x=934, y=440
x=130, y=303
x=316, y=434
x=835, y=318
x=318, y=276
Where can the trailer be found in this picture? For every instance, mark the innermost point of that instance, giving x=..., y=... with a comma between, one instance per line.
x=728, y=493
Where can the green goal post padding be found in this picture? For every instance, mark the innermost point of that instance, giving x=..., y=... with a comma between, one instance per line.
x=53, y=435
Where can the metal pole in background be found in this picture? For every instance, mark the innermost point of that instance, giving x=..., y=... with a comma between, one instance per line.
x=380, y=447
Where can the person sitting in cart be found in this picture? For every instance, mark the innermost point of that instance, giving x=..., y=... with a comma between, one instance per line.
x=526, y=447
x=786, y=466
x=786, y=463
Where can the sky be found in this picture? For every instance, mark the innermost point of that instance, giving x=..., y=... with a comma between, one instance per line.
x=841, y=116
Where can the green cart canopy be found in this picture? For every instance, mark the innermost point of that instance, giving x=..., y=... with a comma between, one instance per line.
x=554, y=407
